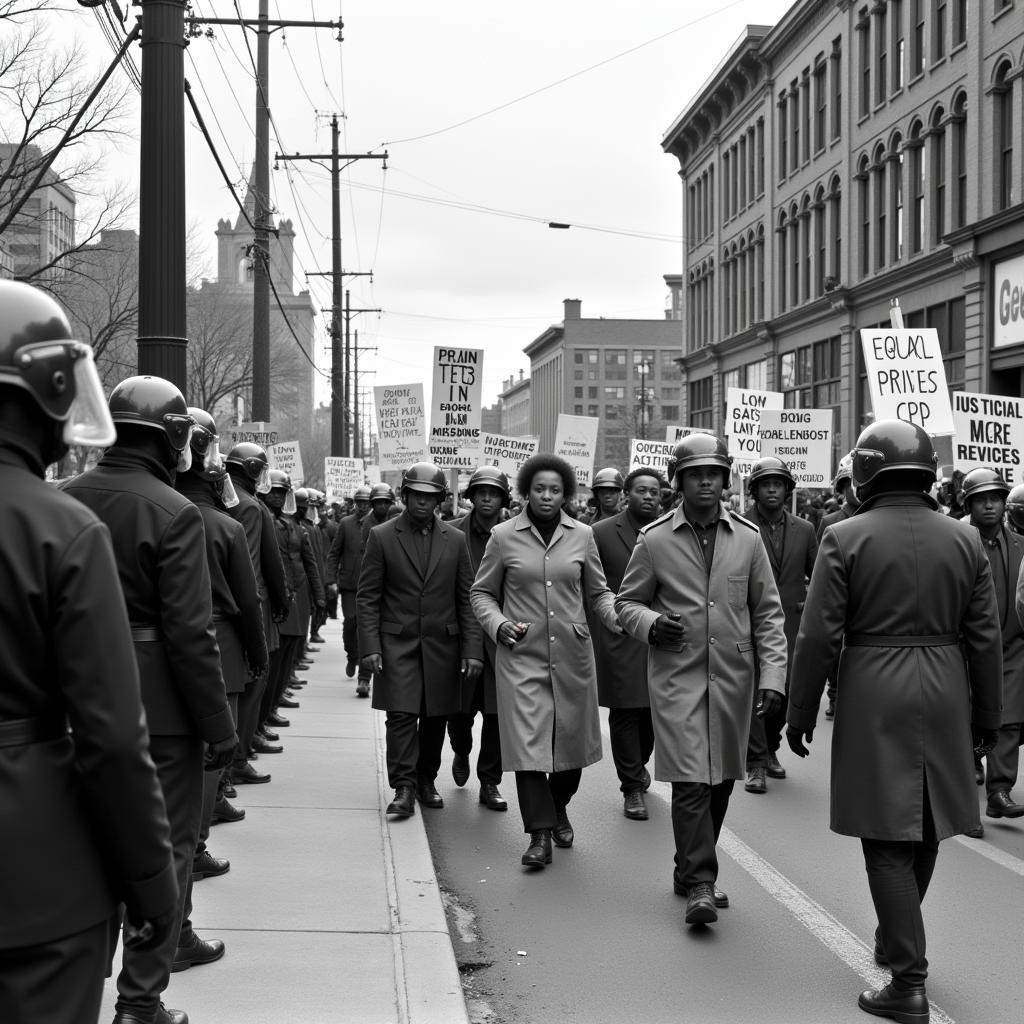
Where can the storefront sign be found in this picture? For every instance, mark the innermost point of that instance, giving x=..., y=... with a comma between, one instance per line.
x=1008, y=302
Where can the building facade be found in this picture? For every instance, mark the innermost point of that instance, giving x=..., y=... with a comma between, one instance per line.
x=852, y=154
x=622, y=371
x=515, y=406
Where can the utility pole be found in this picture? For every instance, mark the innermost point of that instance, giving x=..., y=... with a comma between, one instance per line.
x=351, y=383
x=339, y=359
x=356, y=348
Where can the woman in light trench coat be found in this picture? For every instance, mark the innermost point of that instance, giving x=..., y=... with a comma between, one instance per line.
x=528, y=595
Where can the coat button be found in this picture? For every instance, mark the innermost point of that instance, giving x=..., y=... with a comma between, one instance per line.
x=712, y=640
x=552, y=614
x=548, y=584
x=712, y=677
x=711, y=604
x=552, y=639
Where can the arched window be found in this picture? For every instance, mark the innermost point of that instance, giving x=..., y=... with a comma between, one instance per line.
x=896, y=185
x=751, y=278
x=881, y=198
x=759, y=260
x=937, y=174
x=806, y=242
x=795, y=255
x=820, y=251
x=959, y=169
x=835, y=199
x=915, y=180
x=1002, y=97
x=782, y=264
x=864, y=202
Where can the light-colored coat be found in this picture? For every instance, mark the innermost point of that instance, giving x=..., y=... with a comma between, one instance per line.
x=546, y=686
x=701, y=697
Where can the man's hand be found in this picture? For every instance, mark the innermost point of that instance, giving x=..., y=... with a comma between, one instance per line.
x=668, y=631
x=769, y=703
x=471, y=669
x=510, y=633
x=373, y=663
x=984, y=740
x=145, y=934
x=218, y=755
x=796, y=737
x=332, y=590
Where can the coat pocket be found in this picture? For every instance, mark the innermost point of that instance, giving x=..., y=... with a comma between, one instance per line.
x=738, y=591
x=581, y=629
x=452, y=628
x=744, y=646
x=391, y=628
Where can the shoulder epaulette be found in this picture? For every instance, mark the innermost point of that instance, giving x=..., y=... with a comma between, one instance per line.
x=737, y=518
x=664, y=518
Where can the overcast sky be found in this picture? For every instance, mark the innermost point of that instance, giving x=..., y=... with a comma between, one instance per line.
x=583, y=149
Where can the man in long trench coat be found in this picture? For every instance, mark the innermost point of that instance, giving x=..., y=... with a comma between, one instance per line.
x=708, y=567
x=904, y=598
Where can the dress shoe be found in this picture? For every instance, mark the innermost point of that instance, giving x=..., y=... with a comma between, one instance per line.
x=287, y=702
x=720, y=898
x=975, y=833
x=228, y=788
x=205, y=865
x=909, y=1007
x=700, y=904
x=262, y=746
x=302, y=666
x=1001, y=805
x=562, y=833
x=490, y=797
x=830, y=710
x=196, y=953
x=404, y=804
x=774, y=769
x=538, y=853
x=278, y=721
x=460, y=769
x=225, y=812
x=268, y=734
x=634, y=806
x=755, y=781
x=647, y=780
x=247, y=775
x=350, y=667
x=363, y=688
x=316, y=638
x=428, y=795
x=163, y=1016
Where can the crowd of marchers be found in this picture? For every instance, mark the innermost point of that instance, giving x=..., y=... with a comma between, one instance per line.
x=160, y=608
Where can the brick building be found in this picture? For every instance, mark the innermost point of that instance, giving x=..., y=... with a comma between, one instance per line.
x=853, y=153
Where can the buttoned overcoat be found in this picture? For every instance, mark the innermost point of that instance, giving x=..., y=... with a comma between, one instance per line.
x=301, y=572
x=546, y=684
x=701, y=697
x=421, y=624
x=621, y=659
x=904, y=597
x=346, y=552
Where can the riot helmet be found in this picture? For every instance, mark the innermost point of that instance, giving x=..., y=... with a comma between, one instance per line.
x=699, y=450
x=155, y=403
x=608, y=477
x=889, y=445
x=382, y=492
x=1015, y=508
x=281, y=482
x=425, y=477
x=489, y=476
x=844, y=473
x=252, y=460
x=767, y=467
x=980, y=480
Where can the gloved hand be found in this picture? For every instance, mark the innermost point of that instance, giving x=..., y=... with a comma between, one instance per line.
x=668, y=631
x=984, y=740
x=281, y=613
x=471, y=669
x=795, y=738
x=332, y=590
x=321, y=604
x=373, y=663
x=218, y=755
x=769, y=703
x=145, y=934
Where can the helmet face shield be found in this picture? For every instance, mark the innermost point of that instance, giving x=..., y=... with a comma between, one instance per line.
x=226, y=487
x=263, y=481
x=290, y=508
x=88, y=421
x=179, y=427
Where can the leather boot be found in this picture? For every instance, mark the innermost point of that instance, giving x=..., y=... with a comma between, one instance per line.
x=563, y=833
x=538, y=853
x=404, y=804
x=904, y=1007
x=1001, y=805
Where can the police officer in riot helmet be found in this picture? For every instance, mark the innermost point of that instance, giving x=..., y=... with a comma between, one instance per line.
x=1015, y=509
x=907, y=596
x=159, y=545
x=607, y=487
x=81, y=812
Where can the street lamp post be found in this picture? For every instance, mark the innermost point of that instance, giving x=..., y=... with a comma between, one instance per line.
x=644, y=369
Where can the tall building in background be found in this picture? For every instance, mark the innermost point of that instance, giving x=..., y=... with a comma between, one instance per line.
x=850, y=154
x=515, y=406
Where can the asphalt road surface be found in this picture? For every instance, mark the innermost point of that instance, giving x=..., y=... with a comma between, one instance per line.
x=598, y=937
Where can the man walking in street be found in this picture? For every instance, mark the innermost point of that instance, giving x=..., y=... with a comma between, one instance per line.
x=699, y=590
x=343, y=562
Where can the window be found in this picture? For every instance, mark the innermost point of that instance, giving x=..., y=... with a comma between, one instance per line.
x=938, y=175
x=864, y=199
x=782, y=263
x=646, y=356
x=804, y=249
x=959, y=161
x=916, y=154
x=611, y=412
x=820, y=106
x=577, y=392
x=836, y=209
x=794, y=126
x=809, y=376
x=670, y=413
x=899, y=43
x=881, y=207
x=950, y=320
x=591, y=392
x=585, y=364
x=726, y=205
x=805, y=111
x=896, y=200
x=592, y=410
x=577, y=410
x=917, y=52
x=701, y=408
x=820, y=252
x=959, y=22
x=759, y=168
x=783, y=134
x=939, y=28
x=615, y=364
x=837, y=87
x=864, y=70
x=756, y=375
x=670, y=394
x=1002, y=96
x=881, y=54
x=614, y=394
x=668, y=361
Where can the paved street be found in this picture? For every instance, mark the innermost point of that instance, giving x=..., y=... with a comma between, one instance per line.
x=599, y=936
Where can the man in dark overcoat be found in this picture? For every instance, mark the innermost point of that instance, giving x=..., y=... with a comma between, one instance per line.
x=791, y=547
x=906, y=597
x=417, y=634
x=160, y=548
x=81, y=811
x=342, y=575
x=621, y=660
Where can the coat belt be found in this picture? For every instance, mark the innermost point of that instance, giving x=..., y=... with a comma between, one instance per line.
x=881, y=640
x=146, y=634
x=20, y=732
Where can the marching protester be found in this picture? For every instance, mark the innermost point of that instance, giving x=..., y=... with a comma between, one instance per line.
x=328, y=527
x=417, y=634
x=843, y=486
x=81, y=809
x=699, y=590
x=488, y=491
x=791, y=547
x=906, y=597
x=160, y=549
x=536, y=572
x=984, y=497
x=622, y=660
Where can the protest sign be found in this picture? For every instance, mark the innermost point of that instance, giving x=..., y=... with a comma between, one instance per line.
x=456, y=407
x=675, y=433
x=263, y=434
x=742, y=424
x=907, y=378
x=401, y=425
x=285, y=455
x=373, y=474
x=342, y=476
x=802, y=438
x=507, y=453
x=576, y=442
x=988, y=431
x=650, y=454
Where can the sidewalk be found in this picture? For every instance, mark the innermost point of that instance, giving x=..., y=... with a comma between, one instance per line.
x=330, y=913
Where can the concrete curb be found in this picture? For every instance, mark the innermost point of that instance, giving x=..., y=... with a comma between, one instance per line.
x=428, y=988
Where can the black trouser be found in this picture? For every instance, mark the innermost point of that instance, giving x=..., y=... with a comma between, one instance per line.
x=56, y=982
x=698, y=811
x=281, y=663
x=249, y=716
x=765, y=734
x=349, y=633
x=460, y=734
x=632, y=740
x=179, y=767
x=543, y=794
x=332, y=605
x=414, y=745
x=1003, y=759
x=898, y=876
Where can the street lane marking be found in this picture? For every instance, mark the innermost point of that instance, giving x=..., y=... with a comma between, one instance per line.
x=994, y=854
